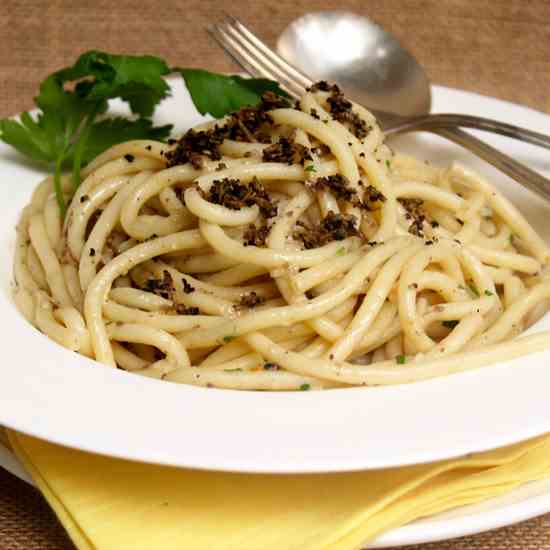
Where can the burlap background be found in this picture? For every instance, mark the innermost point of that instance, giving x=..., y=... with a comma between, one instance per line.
x=494, y=47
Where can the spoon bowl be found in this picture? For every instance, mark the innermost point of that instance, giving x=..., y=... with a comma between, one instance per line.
x=370, y=64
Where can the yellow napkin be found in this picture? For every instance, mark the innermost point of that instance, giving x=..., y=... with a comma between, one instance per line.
x=110, y=504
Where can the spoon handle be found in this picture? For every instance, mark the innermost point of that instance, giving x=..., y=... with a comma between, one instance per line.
x=427, y=122
x=517, y=171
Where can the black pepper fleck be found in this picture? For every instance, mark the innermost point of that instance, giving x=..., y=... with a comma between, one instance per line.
x=187, y=287
x=271, y=366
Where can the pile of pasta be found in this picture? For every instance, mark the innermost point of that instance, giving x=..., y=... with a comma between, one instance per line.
x=285, y=247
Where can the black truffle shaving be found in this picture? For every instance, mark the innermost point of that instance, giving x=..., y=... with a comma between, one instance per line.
x=339, y=186
x=233, y=194
x=286, y=151
x=255, y=236
x=334, y=227
x=249, y=124
x=250, y=300
x=161, y=287
x=415, y=214
x=341, y=109
x=194, y=145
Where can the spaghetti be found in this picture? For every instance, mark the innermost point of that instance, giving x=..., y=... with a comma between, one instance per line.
x=285, y=247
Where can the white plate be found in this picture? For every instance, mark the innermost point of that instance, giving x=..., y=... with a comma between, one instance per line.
x=52, y=393
x=525, y=502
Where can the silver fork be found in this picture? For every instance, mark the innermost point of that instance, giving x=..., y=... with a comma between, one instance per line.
x=258, y=60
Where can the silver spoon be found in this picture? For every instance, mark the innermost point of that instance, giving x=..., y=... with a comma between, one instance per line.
x=374, y=69
x=361, y=57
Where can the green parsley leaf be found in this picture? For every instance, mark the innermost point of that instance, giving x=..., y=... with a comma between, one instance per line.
x=310, y=168
x=401, y=359
x=228, y=339
x=305, y=387
x=28, y=137
x=511, y=238
x=450, y=324
x=222, y=94
x=45, y=137
x=111, y=131
x=488, y=293
x=388, y=164
x=62, y=110
x=232, y=370
x=136, y=79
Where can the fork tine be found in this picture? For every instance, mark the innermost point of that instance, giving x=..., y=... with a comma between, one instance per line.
x=236, y=53
x=250, y=60
x=262, y=65
x=247, y=61
x=260, y=46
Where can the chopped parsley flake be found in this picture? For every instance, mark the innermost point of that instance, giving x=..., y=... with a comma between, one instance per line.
x=310, y=168
x=401, y=359
x=305, y=387
x=228, y=339
x=488, y=293
x=388, y=164
x=473, y=290
x=232, y=370
x=341, y=251
x=449, y=324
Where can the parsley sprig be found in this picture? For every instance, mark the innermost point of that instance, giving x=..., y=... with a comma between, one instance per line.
x=69, y=131
x=72, y=126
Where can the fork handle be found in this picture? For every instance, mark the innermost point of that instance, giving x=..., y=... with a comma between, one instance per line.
x=517, y=171
x=401, y=124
